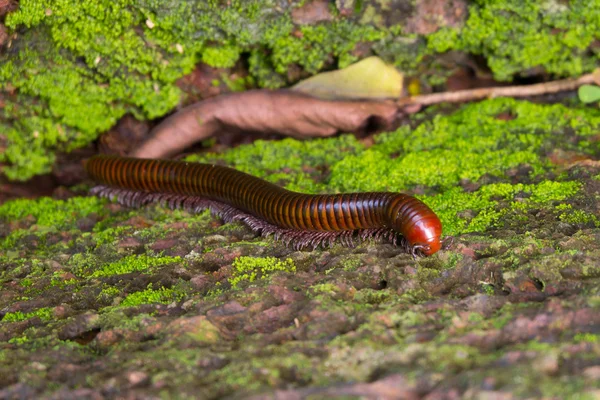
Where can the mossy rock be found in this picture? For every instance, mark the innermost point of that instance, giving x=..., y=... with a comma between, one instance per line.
x=71, y=69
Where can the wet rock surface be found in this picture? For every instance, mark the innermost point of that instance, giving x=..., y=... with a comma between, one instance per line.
x=367, y=321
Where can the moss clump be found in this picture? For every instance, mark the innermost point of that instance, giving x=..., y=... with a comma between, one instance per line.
x=566, y=213
x=45, y=314
x=104, y=234
x=248, y=269
x=152, y=296
x=485, y=204
x=586, y=338
x=515, y=36
x=372, y=296
x=133, y=263
x=221, y=57
x=315, y=43
x=328, y=289
x=108, y=293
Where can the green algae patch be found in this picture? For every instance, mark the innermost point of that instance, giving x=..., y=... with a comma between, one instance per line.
x=316, y=42
x=221, y=57
x=249, y=269
x=515, y=36
x=134, y=263
x=372, y=296
x=327, y=289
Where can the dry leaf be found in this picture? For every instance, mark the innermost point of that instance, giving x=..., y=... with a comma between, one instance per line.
x=285, y=112
x=370, y=78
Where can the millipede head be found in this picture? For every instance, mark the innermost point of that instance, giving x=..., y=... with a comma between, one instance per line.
x=423, y=236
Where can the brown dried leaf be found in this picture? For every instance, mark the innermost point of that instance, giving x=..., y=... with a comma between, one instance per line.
x=285, y=112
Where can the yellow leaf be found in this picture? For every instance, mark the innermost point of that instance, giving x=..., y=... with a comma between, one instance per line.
x=370, y=78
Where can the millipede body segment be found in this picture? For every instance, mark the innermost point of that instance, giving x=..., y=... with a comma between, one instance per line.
x=301, y=219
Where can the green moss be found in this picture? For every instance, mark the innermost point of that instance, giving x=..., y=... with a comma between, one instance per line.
x=133, y=263
x=51, y=212
x=316, y=43
x=425, y=275
x=293, y=163
x=55, y=89
x=515, y=36
x=566, y=213
x=324, y=288
x=151, y=296
x=488, y=288
x=104, y=234
x=464, y=146
x=248, y=269
x=485, y=203
x=268, y=371
x=59, y=280
x=19, y=340
x=26, y=282
x=416, y=296
x=586, y=338
x=108, y=293
x=351, y=264
x=372, y=296
x=221, y=57
x=104, y=58
x=47, y=216
x=454, y=357
x=83, y=264
x=45, y=314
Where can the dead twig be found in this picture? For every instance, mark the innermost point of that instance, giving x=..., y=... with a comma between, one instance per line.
x=506, y=91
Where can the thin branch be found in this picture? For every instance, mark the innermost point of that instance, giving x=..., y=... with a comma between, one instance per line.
x=506, y=91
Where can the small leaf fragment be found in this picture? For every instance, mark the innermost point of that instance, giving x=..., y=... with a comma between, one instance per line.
x=589, y=93
x=370, y=78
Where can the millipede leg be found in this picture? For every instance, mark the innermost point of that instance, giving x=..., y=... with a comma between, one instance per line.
x=296, y=238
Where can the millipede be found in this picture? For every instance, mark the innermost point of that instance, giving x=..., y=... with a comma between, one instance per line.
x=298, y=219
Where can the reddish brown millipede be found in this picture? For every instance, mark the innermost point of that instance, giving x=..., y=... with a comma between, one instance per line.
x=297, y=218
